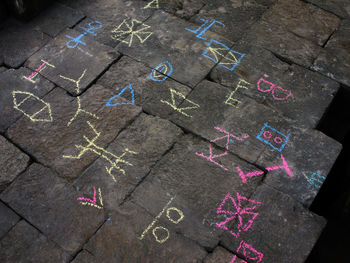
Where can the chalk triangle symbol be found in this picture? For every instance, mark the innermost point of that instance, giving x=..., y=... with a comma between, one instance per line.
x=126, y=93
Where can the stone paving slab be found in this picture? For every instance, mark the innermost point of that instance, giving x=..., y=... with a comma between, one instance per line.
x=149, y=138
x=311, y=23
x=219, y=255
x=283, y=231
x=334, y=60
x=148, y=93
x=119, y=240
x=195, y=186
x=8, y=218
x=51, y=205
x=168, y=40
x=14, y=80
x=84, y=257
x=56, y=143
x=339, y=7
x=12, y=162
x=24, y=243
x=72, y=68
x=303, y=96
x=25, y=41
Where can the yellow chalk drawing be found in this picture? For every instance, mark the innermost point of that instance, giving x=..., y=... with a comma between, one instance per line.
x=176, y=108
x=36, y=72
x=232, y=101
x=92, y=202
x=125, y=32
x=152, y=4
x=77, y=90
x=23, y=98
x=113, y=159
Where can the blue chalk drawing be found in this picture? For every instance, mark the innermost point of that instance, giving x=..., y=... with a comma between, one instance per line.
x=286, y=137
x=128, y=88
x=75, y=41
x=199, y=29
x=166, y=69
x=315, y=180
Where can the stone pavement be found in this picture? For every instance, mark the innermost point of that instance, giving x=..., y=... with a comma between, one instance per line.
x=168, y=131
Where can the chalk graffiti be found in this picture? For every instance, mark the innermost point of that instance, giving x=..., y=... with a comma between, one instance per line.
x=272, y=88
x=26, y=103
x=248, y=252
x=316, y=180
x=237, y=212
x=242, y=84
x=75, y=41
x=161, y=72
x=39, y=69
x=126, y=33
x=204, y=27
x=152, y=4
x=93, y=202
x=223, y=55
x=182, y=110
x=159, y=229
x=113, y=159
x=277, y=140
x=127, y=89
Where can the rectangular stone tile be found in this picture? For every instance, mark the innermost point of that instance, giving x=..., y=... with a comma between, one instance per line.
x=296, y=93
x=118, y=240
x=8, y=218
x=12, y=162
x=139, y=147
x=58, y=141
x=311, y=23
x=283, y=231
x=219, y=255
x=339, y=7
x=24, y=243
x=19, y=80
x=148, y=93
x=84, y=257
x=334, y=60
x=51, y=205
x=72, y=60
x=164, y=38
x=188, y=186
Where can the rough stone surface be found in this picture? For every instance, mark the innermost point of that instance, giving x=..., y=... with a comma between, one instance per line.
x=311, y=94
x=148, y=93
x=8, y=219
x=12, y=162
x=25, y=41
x=119, y=240
x=334, y=60
x=50, y=205
x=338, y=7
x=197, y=186
x=170, y=41
x=84, y=257
x=150, y=138
x=14, y=80
x=26, y=244
x=48, y=142
x=311, y=23
x=219, y=255
x=277, y=230
x=92, y=58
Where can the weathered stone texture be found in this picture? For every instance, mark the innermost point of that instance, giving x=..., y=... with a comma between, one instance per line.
x=8, y=219
x=339, y=7
x=84, y=257
x=219, y=255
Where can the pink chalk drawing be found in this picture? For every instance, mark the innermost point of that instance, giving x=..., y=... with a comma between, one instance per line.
x=272, y=88
x=36, y=72
x=284, y=166
x=229, y=137
x=239, y=213
x=93, y=202
x=249, y=253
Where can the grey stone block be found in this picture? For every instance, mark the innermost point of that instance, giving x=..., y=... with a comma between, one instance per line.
x=219, y=255
x=51, y=205
x=12, y=162
x=339, y=7
x=8, y=219
x=84, y=257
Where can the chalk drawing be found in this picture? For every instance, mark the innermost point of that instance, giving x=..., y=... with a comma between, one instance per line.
x=272, y=88
x=242, y=84
x=237, y=212
x=36, y=109
x=204, y=27
x=126, y=32
x=316, y=180
x=160, y=228
x=75, y=41
x=277, y=140
x=248, y=252
x=223, y=55
x=39, y=69
x=182, y=110
x=127, y=91
x=93, y=202
x=161, y=72
x=152, y=4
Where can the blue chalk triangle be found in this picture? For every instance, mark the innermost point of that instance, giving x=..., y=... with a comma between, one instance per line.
x=128, y=88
